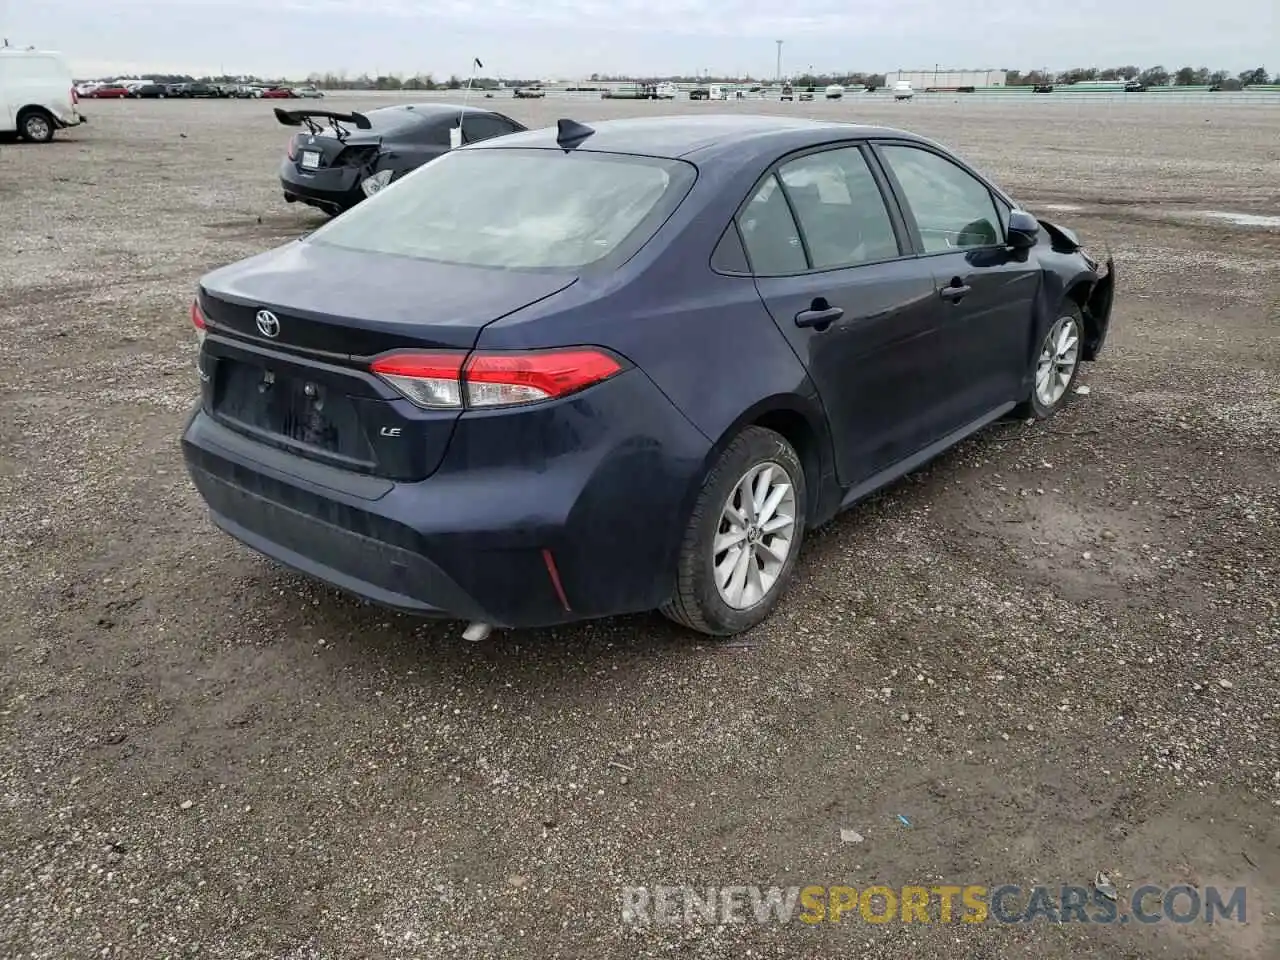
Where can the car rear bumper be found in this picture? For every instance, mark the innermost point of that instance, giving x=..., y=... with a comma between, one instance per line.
x=329, y=188
x=533, y=518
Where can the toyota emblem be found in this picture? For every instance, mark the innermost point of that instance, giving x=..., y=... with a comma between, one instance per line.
x=268, y=323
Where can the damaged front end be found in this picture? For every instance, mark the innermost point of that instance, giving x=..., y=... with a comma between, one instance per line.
x=1097, y=308
x=1093, y=288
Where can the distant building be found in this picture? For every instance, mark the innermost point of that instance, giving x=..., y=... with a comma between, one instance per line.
x=947, y=79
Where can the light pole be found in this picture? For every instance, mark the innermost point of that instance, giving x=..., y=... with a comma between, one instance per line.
x=778, y=70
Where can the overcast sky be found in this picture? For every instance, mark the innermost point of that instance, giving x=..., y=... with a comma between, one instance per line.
x=562, y=39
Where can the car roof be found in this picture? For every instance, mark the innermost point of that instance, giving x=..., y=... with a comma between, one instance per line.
x=427, y=111
x=700, y=136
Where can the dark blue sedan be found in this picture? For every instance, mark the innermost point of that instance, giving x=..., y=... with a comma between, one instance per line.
x=583, y=371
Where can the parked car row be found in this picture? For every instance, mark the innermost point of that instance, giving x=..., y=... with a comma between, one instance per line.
x=150, y=90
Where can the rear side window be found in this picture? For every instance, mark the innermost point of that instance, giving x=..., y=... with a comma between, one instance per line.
x=770, y=234
x=483, y=127
x=729, y=255
x=952, y=208
x=517, y=209
x=840, y=208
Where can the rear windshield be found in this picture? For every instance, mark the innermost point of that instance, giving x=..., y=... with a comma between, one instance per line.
x=516, y=209
x=393, y=118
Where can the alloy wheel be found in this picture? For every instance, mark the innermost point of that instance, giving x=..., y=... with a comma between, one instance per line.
x=755, y=537
x=1058, y=358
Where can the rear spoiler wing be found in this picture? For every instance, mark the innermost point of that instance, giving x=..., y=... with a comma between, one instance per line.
x=296, y=118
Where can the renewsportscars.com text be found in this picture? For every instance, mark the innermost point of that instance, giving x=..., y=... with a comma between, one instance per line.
x=971, y=903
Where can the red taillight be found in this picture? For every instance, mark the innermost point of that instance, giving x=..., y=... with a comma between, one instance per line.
x=501, y=379
x=443, y=381
x=197, y=321
x=292, y=150
x=75, y=97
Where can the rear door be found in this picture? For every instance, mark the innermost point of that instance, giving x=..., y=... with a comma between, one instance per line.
x=834, y=266
x=987, y=290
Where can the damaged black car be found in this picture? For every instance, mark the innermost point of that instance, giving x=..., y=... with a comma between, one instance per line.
x=338, y=159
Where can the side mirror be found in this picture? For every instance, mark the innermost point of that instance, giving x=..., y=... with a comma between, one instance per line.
x=1024, y=230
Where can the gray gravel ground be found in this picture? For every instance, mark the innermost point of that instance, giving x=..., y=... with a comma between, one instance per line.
x=1054, y=651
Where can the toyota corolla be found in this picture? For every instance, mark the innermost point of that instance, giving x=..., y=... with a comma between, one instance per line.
x=577, y=372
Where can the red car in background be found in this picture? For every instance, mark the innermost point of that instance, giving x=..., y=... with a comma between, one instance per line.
x=110, y=91
x=278, y=93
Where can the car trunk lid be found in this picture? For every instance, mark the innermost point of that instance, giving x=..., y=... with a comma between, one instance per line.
x=291, y=334
x=330, y=139
x=326, y=150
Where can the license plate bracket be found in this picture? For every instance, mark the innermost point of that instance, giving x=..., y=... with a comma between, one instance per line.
x=292, y=409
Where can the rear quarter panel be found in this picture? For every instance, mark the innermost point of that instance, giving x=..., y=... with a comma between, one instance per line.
x=705, y=339
x=404, y=156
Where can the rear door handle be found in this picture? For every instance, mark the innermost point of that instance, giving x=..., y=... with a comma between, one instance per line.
x=816, y=318
x=954, y=293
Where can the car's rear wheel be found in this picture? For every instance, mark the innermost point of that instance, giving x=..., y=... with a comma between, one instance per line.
x=1056, y=364
x=743, y=537
x=36, y=125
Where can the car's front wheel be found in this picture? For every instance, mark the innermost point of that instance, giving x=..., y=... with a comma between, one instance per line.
x=1056, y=364
x=743, y=538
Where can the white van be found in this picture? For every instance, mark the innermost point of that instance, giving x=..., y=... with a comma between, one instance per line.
x=902, y=90
x=37, y=95
x=718, y=92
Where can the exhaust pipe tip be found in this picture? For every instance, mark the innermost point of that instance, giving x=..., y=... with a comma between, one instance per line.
x=477, y=631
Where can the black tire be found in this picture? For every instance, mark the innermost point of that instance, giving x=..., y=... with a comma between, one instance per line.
x=1034, y=407
x=36, y=125
x=697, y=603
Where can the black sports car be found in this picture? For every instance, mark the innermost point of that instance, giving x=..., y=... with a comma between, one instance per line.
x=341, y=158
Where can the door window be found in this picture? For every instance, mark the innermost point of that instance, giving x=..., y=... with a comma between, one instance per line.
x=952, y=208
x=475, y=128
x=770, y=234
x=840, y=208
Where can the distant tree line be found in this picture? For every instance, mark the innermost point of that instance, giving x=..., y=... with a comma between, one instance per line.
x=851, y=78
x=336, y=81
x=400, y=81
x=1157, y=76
